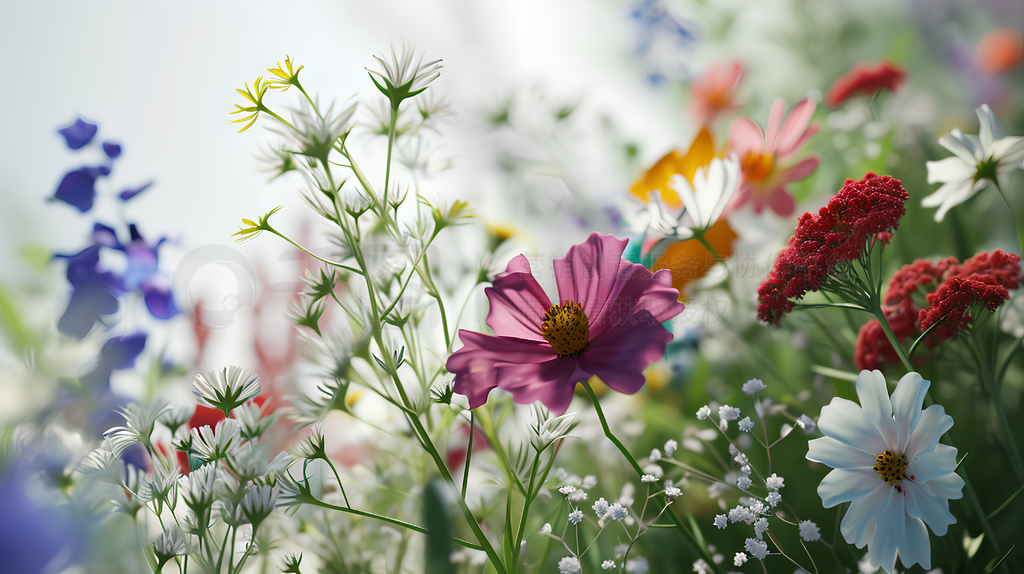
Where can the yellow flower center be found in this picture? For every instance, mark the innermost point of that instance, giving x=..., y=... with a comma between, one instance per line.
x=566, y=327
x=757, y=166
x=891, y=468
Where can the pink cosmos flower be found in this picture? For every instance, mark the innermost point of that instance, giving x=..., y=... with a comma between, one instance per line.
x=608, y=323
x=715, y=92
x=764, y=180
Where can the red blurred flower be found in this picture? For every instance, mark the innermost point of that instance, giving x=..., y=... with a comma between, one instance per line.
x=864, y=80
x=839, y=233
x=873, y=348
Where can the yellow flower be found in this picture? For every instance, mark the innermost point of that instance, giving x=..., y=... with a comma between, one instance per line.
x=689, y=260
x=701, y=152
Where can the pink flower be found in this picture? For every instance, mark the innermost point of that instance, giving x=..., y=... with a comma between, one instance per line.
x=715, y=92
x=608, y=323
x=764, y=180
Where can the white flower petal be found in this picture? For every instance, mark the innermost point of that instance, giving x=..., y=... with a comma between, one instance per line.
x=950, y=169
x=845, y=421
x=890, y=532
x=966, y=146
x=991, y=128
x=957, y=196
x=934, y=423
x=934, y=464
x=932, y=510
x=940, y=195
x=858, y=525
x=915, y=548
x=838, y=455
x=1009, y=150
x=949, y=486
x=906, y=405
x=846, y=484
x=874, y=400
x=688, y=196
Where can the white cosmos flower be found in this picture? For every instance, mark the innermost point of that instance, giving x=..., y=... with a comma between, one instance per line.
x=888, y=462
x=703, y=203
x=977, y=163
x=713, y=188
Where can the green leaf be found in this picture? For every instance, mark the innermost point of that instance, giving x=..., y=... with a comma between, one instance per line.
x=994, y=563
x=439, y=546
x=151, y=559
x=1005, y=504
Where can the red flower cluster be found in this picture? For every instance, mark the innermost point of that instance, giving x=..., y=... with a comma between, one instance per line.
x=864, y=80
x=943, y=290
x=862, y=211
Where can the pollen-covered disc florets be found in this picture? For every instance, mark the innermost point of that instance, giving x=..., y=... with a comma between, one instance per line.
x=890, y=467
x=566, y=328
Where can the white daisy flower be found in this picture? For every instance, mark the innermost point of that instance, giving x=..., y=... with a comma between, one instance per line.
x=259, y=502
x=226, y=388
x=978, y=162
x=888, y=462
x=139, y=423
x=213, y=444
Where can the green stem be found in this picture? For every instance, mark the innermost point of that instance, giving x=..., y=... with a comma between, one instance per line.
x=1016, y=221
x=391, y=142
x=699, y=236
x=877, y=311
x=469, y=452
x=313, y=255
x=389, y=520
x=992, y=390
x=698, y=545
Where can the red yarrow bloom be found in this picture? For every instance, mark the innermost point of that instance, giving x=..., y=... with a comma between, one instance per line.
x=913, y=289
x=958, y=299
x=864, y=80
x=839, y=233
x=607, y=323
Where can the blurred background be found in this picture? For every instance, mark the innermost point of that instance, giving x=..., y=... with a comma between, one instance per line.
x=554, y=110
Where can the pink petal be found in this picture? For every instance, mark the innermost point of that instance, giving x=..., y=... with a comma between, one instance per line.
x=552, y=382
x=808, y=134
x=475, y=364
x=637, y=289
x=793, y=130
x=517, y=302
x=589, y=272
x=782, y=202
x=799, y=171
x=774, y=119
x=620, y=355
x=744, y=136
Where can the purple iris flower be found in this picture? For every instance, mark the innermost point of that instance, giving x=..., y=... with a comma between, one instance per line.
x=78, y=188
x=35, y=536
x=143, y=269
x=79, y=134
x=111, y=149
x=94, y=293
x=117, y=353
x=130, y=193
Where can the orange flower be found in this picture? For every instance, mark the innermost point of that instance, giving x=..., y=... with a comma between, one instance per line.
x=689, y=260
x=999, y=51
x=701, y=152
